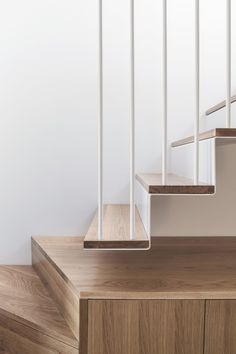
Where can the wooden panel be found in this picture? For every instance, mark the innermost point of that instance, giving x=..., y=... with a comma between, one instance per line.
x=214, y=133
x=152, y=182
x=141, y=327
x=220, y=335
x=219, y=106
x=24, y=299
x=116, y=230
x=174, y=268
x=17, y=338
x=61, y=290
x=83, y=338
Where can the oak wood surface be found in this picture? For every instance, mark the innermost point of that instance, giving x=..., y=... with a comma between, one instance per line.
x=220, y=337
x=116, y=230
x=174, y=268
x=83, y=342
x=145, y=326
x=63, y=293
x=23, y=298
x=219, y=106
x=152, y=182
x=18, y=338
x=213, y=133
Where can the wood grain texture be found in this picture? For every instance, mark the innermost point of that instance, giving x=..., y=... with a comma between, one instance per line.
x=145, y=326
x=24, y=299
x=214, y=133
x=61, y=290
x=83, y=347
x=116, y=230
x=220, y=335
x=152, y=182
x=174, y=268
x=17, y=338
x=219, y=106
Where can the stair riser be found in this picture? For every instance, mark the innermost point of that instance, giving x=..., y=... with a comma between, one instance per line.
x=63, y=294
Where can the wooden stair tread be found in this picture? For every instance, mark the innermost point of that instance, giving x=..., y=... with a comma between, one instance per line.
x=174, y=268
x=24, y=299
x=116, y=224
x=219, y=106
x=152, y=182
x=213, y=133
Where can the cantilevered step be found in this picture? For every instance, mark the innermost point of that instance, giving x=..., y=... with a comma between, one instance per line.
x=152, y=182
x=219, y=106
x=29, y=319
x=116, y=230
x=213, y=133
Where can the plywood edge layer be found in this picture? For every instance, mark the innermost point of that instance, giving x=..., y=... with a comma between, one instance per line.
x=117, y=244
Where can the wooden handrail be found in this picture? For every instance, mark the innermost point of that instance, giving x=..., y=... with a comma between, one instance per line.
x=219, y=106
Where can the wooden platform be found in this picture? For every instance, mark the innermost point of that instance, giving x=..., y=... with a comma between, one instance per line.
x=152, y=182
x=213, y=133
x=116, y=230
x=29, y=319
x=178, y=297
x=191, y=268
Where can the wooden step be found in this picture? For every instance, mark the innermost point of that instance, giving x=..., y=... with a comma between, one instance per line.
x=29, y=319
x=152, y=182
x=219, y=106
x=213, y=133
x=174, y=268
x=116, y=230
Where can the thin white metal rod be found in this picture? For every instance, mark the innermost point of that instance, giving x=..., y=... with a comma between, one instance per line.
x=228, y=64
x=100, y=126
x=165, y=93
x=197, y=92
x=132, y=124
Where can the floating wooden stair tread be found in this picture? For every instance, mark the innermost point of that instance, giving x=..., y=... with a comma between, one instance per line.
x=213, y=133
x=219, y=106
x=26, y=306
x=116, y=230
x=152, y=182
x=174, y=268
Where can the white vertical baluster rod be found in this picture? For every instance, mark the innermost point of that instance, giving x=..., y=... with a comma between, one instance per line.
x=165, y=92
x=132, y=124
x=100, y=126
x=197, y=92
x=228, y=64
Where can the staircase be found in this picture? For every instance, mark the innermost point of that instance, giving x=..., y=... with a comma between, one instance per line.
x=171, y=299
x=178, y=208
x=74, y=301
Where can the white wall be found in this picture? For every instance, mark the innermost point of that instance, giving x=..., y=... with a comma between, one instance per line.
x=49, y=105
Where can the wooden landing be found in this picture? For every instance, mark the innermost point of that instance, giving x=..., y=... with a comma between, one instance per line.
x=28, y=316
x=152, y=182
x=213, y=133
x=219, y=106
x=116, y=224
x=174, y=268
